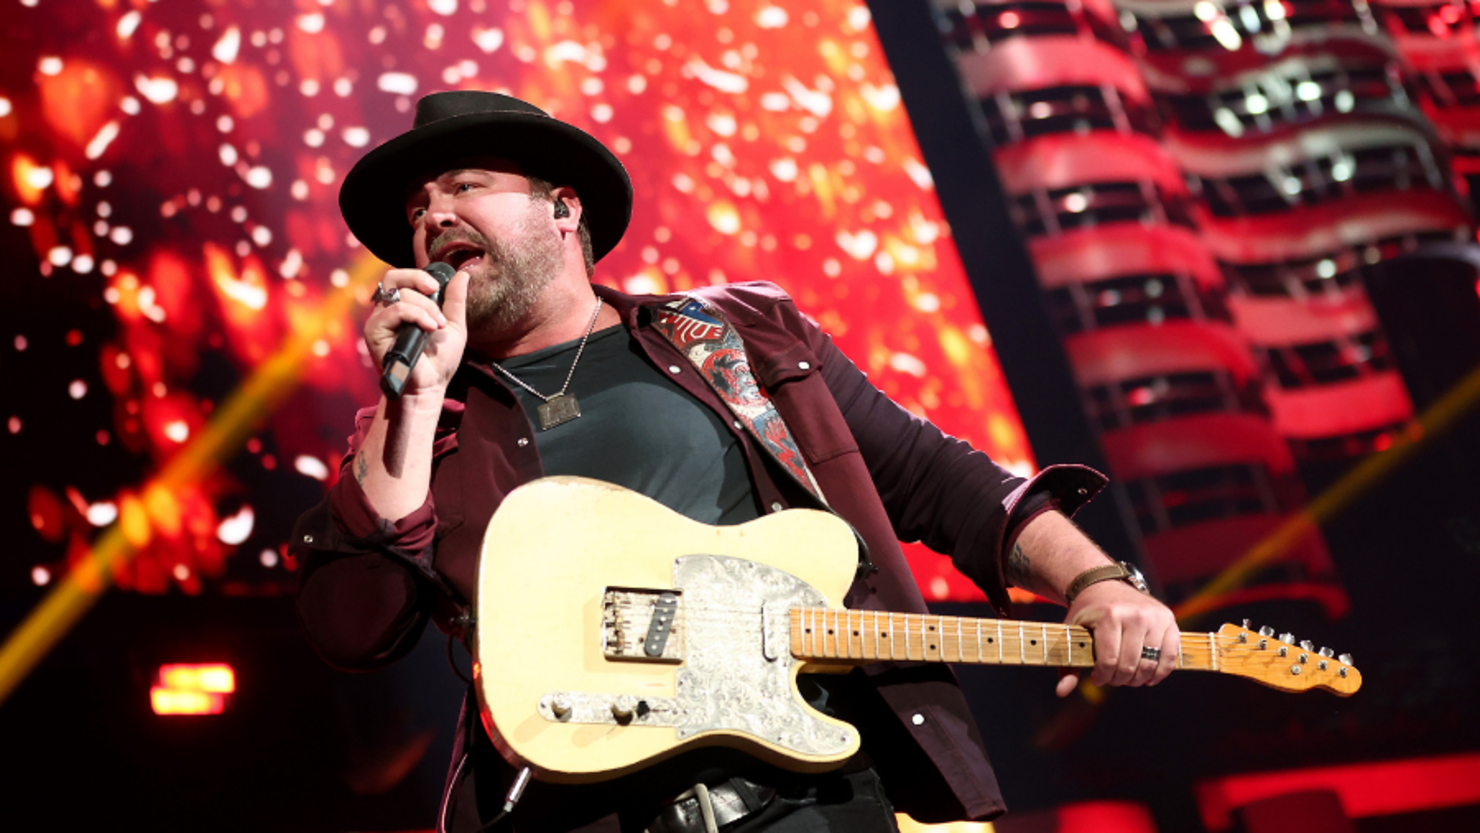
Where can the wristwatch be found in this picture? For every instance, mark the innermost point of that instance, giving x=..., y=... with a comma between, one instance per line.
x=1119, y=571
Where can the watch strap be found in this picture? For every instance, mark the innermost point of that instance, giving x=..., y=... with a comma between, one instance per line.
x=1110, y=572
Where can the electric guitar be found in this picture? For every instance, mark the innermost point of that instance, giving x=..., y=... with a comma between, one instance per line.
x=613, y=632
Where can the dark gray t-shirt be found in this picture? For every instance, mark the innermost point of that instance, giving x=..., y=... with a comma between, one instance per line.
x=637, y=429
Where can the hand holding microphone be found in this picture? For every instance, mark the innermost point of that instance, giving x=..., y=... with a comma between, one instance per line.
x=408, y=318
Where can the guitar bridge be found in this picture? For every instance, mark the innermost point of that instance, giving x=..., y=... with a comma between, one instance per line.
x=640, y=625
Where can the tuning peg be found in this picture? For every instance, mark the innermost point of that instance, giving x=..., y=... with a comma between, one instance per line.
x=1346, y=659
x=1287, y=637
x=1326, y=652
x=1266, y=631
x=1248, y=624
x=1307, y=645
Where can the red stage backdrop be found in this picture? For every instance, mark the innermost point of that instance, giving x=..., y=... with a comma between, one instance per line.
x=171, y=173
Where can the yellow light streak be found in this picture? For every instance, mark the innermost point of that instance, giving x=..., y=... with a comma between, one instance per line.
x=1439, y=417
x=262, y=392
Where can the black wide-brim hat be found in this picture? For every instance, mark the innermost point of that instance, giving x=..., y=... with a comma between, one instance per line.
x=456, y=125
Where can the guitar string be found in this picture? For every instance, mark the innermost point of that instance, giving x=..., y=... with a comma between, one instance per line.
x=914, y=629
x=913, y=625
x=740, y=615
x=726, y=614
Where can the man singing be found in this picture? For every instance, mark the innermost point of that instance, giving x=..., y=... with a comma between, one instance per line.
x=530, y=370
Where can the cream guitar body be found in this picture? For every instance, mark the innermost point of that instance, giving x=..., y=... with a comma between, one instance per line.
x=571, y=572
x=613, y=632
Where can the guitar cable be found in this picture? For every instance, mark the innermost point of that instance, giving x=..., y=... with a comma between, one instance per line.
x=516, y=792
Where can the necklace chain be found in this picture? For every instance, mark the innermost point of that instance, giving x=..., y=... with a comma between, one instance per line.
x=591, y=327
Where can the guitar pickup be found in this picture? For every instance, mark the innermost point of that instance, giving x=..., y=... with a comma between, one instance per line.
x=642, y=625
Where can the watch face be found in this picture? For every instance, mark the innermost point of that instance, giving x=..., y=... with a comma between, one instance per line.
x=1135, y=578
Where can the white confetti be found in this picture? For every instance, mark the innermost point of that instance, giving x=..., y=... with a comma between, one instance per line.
x=905, y=363
x=860, y=246
x=919, y=173
x=157, y=90
x=398, y=83
x=311, y=466
x=102, y=513
x=258, y=177
x=237, y=528
x=100, y=142
x=817, y=103
x=488, y=40
x=228, y=46
x=725, y=82
x=566, y=50
x=128, y=24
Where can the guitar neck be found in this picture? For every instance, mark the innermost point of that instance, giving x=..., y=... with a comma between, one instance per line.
x=827, y=635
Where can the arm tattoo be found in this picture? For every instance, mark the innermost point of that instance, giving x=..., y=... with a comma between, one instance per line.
x=362, y=468
x=1017, y=567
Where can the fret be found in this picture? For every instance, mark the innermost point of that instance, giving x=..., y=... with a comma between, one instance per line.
x=854, y=635
x=871, y=626
x=829, y=633
x=893, y=638
x=1045, y=643
x=960, y=642
x=978, y=640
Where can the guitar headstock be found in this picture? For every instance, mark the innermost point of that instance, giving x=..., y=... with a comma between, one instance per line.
x=1283, y=663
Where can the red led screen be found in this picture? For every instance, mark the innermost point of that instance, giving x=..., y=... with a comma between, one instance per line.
x=171, y=173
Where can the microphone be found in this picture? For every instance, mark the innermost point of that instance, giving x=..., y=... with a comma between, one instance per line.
x=411, y=340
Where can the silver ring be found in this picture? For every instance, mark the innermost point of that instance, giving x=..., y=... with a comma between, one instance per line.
x=384, y=297
x=1153, y=654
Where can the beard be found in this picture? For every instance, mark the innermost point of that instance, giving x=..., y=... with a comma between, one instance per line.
x=504, y=287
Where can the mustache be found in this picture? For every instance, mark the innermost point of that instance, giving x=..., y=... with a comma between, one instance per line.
x=453, y=237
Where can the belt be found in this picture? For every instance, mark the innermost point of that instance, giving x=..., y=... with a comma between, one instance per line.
x=710, y=809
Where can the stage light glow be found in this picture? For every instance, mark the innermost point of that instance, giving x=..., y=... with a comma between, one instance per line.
x=192, y=688
x=168, y=701
x=211, y=677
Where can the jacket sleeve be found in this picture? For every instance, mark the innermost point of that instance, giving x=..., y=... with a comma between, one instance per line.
x=366, y=587
x=936, y=488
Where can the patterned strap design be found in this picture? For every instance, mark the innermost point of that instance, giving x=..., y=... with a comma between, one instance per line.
x=711, y=344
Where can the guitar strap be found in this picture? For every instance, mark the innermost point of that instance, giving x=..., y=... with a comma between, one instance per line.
x=709, y=341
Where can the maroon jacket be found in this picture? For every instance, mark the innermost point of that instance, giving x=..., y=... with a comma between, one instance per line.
x=369, y=586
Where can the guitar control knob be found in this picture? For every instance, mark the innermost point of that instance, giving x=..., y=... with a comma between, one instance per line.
x=623, y=707
x=1287, y=637
x=1326, y=652
x=561, y=705
x=1266, y=631
x=1346, y=659
x=1307, y=645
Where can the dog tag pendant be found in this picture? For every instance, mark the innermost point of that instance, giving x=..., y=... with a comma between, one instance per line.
x=562, y=407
